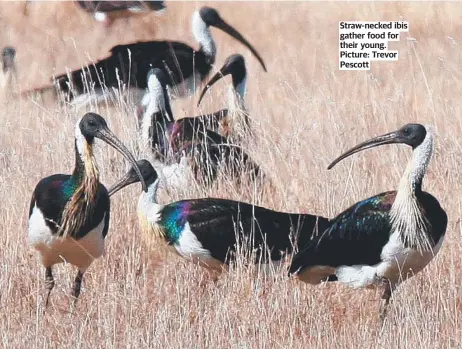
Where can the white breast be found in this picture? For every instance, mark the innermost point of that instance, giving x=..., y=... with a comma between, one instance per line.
x=191, y=249
x=398, y=264
x=56, y=249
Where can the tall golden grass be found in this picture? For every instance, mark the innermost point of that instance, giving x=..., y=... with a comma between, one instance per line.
x=305, y=113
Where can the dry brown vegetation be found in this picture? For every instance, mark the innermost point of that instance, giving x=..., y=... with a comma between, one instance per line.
x=306, y=112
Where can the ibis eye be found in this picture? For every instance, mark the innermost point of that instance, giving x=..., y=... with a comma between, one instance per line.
x=91, y=122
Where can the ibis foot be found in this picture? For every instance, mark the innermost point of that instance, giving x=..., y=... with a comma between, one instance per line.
x=77, y=286
x=386, y=296
x=49, y=284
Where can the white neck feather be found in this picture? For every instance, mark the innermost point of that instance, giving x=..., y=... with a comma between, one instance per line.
x=80, y=140
x=156, y=104
x=203, y=36
x=147, y=199
x=405, y=213
x=237, y=112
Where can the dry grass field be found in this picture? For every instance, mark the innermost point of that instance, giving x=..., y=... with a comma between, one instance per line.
x=305, y=113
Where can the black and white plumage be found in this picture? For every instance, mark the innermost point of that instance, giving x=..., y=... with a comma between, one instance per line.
x=235, y=122
x=187, y=143
x=383, y=240
x=105, y=11
x=69, y=214
x=209, y=231
x=129, y=64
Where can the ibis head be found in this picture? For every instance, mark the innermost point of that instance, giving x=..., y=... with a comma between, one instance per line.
x=211, y=17
x=410, y=134
x=94, y=126
x=234, y=65
x=8, y=55
x=147, y=171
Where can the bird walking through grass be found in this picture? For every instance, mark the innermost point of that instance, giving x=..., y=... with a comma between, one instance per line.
x=211, y=231
x=69, y=214
x=129, y=64
x=385, y=239
x=188, y=140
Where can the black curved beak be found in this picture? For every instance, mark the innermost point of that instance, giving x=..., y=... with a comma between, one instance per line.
x=388, y=138
x=235, y=34
x=226, y=70
x=110, y=138
x=129, y=178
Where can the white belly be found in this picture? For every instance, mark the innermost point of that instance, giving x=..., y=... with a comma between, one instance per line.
x=191, y=249
x=57, y=249
x=398, y=264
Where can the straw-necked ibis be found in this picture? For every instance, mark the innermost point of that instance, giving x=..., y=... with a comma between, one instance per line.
x=208, y=231
x=236, y=120
x=188, y=138
x=130, y=63
x=106, y=11
x=383, y=240
x=69, y=214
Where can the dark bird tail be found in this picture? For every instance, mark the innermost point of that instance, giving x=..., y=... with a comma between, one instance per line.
x=93, y=76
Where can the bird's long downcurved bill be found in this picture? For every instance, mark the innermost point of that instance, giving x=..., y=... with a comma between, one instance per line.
x=129, y=178
x=388, y=138
x=218, y=76
x=111, y=139
x=235, y=34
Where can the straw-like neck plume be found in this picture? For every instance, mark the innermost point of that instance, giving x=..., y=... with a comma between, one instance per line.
x=158, y=103
x=406, y=213
x=201, y=32
x=82, y=186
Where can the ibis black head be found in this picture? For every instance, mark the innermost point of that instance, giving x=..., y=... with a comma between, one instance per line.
x=94, y=126
x=410, y=134
x=211, y=17
x=8, y=56
x=234, y=65
x=147, y=171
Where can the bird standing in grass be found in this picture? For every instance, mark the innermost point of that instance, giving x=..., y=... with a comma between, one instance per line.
x=69, y=214
x=188, y=140
x=383, y=240
x=210, y=231
x=129, y=64
x=234, y=121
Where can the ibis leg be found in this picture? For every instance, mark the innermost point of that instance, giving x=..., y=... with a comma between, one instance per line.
x=77, y=285
x=386, y=296
x=49, y=282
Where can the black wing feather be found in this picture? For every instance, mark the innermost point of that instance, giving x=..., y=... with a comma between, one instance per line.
x=355, y=237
